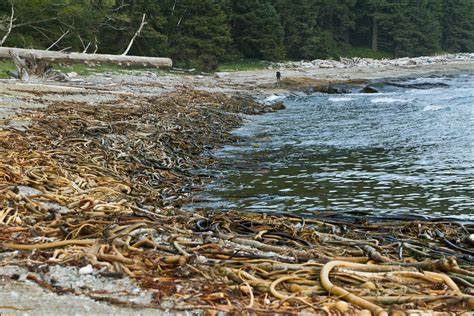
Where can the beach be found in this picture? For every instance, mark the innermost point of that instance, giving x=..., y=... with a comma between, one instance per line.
x=96, y=170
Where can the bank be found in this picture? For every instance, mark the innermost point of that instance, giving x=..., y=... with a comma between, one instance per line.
x=92, y=185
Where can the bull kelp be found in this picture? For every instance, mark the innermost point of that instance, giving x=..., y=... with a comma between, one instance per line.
x=102, y=185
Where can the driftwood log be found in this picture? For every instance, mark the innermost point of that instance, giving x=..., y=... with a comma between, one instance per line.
x=74, y=58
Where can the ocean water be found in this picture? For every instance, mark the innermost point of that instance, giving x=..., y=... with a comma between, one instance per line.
x=408, y=149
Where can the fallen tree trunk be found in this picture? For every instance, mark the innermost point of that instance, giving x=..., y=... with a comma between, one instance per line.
x=74, y=58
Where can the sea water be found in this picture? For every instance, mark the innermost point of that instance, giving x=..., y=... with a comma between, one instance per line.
x=408, y=149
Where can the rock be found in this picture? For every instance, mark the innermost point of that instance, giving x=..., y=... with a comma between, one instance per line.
x=13, y=74
x=369, y=89
x=325, y=89
x=220, y=75
x=332, y=90
x=26, y=191
x=470, y=239
x=278, y=106
x=88, y=269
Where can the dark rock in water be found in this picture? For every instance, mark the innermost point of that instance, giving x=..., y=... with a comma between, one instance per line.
x=278, y=106
x=343, y=89
x=332, y=90
x=327, y=89
x=369, y=89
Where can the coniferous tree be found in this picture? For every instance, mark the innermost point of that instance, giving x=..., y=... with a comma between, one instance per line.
x=458, y=25
x=337, y=17
x=256, y=30
x=372, y=18
x=303, y=37
x=119, y=26
x=204, y=33
x=199, y=32
x=414, y=29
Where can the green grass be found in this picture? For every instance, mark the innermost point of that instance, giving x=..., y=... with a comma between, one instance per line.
x=364, y=52
x=6, y=65
x=243, y=64
x=85, y=70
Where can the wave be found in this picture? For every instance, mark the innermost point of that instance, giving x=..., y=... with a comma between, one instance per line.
x=434, y=107
x=273, y=98
x=387, y=100
x=340, y=99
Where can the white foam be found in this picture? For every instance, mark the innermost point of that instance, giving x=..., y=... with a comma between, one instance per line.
x=273, y=98
x=340, y=99
x=387, y=100
x=434, y=107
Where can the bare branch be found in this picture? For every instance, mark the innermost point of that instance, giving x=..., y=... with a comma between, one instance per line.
x=86, y=48
x=42, y=31
x=95, y=44
x=106, y=24
x=10, y=27
x=58, y=40
x=65, y=49
x=121, y=6
x=174, y=7
x=33, y=22
x=143, y=23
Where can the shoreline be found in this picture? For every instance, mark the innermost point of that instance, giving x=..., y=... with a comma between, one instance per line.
x=188, y=248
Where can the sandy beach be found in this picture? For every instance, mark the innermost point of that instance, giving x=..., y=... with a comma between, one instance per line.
x=140, y=115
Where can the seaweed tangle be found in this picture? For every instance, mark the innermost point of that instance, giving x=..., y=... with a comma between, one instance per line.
x=103, y=185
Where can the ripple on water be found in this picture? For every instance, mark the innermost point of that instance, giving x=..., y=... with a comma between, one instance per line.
x=404, y=151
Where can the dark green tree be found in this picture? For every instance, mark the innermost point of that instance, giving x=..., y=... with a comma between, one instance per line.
x=372, y=22
x=198, y=32
x=303, y=38
x=40, y=23
x=256, y=29
x=120, y=24
x=204, y=33
x=415, y=29
x=337, y=17
x=458, y=25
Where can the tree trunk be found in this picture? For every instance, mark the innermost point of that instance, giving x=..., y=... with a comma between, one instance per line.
x=74, y=58
x=375, y=34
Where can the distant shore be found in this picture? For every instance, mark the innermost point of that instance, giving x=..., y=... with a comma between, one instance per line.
x=264, y=81
x=17, y=96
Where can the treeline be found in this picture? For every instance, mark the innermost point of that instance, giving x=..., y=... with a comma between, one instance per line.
x=203, y=33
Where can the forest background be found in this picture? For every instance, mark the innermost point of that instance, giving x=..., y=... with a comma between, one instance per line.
x=206, y=33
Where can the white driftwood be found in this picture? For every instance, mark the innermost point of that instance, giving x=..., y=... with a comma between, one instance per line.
x=74, y=58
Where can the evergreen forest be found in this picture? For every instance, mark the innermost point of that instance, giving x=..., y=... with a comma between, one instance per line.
x=205, y=33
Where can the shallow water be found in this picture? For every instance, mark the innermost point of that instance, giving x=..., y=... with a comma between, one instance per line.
x=404, y=150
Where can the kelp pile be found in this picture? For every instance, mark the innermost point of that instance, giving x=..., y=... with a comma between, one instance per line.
x=103, y=185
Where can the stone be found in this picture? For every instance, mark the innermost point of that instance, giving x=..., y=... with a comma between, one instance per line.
x=369, y=89
x=278, y=106
x=88, y=269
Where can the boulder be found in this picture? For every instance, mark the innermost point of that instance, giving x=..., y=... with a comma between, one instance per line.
x=369, y=89
x=278, y=106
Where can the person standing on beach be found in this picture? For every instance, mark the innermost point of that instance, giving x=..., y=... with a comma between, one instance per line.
x=278, y=75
